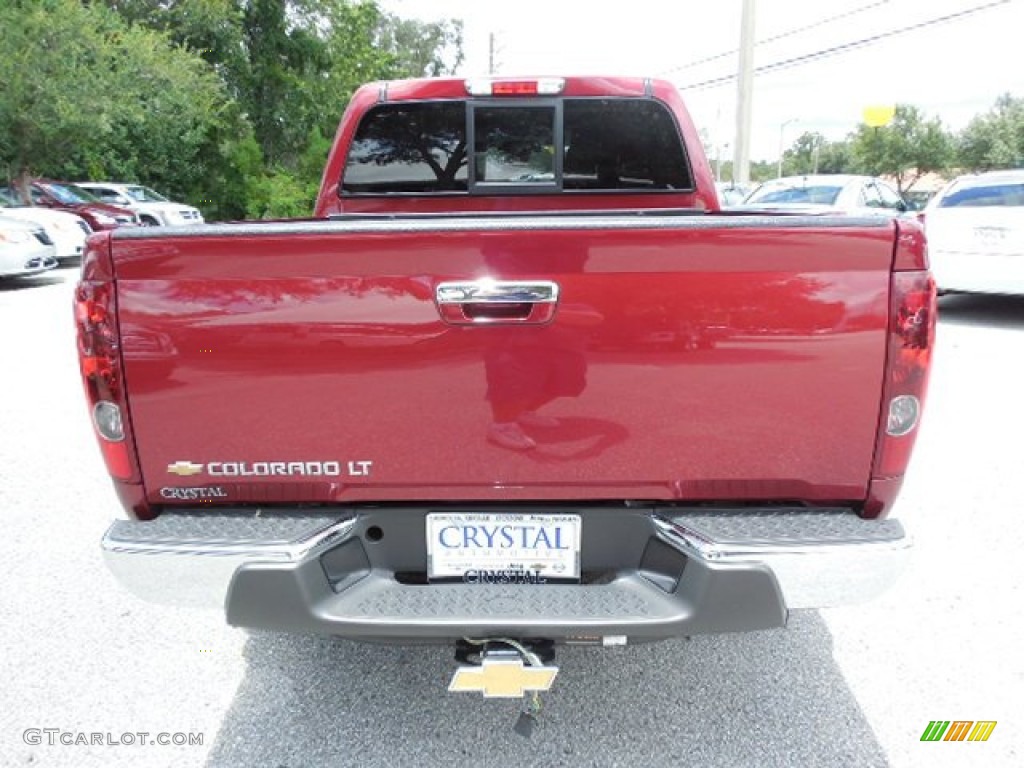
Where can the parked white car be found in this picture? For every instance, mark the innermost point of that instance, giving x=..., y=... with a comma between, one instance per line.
x=154, y=209
x=975, y=228
x=25, y=249
x=828, y=193
x=731, y=194
x=66, y=230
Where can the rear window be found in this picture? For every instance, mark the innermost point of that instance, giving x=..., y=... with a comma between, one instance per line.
x=515, y=145
x=989, y=195
x=813, y=195
x=409, y=148
x=145, y=195
x=599, y=145
x=68, y=193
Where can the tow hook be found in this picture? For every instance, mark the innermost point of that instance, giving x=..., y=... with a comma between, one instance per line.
x=503, y=668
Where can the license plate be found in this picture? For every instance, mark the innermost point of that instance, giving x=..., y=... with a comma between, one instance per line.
x=503, y=548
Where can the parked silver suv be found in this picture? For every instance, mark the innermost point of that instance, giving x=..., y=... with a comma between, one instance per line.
x=154, y=209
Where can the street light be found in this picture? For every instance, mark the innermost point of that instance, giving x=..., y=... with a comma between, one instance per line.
x=782, y=131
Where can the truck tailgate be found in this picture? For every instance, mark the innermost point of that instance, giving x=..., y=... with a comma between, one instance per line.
x=704, y=357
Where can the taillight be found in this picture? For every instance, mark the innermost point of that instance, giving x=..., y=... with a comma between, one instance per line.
x=912, y=316
x=911, y=339
x=100, y=360
x=545, y=86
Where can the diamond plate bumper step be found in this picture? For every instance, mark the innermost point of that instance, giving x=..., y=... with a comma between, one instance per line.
x=664, y=572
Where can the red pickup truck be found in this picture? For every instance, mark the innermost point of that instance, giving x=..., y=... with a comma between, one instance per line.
x=520, y=378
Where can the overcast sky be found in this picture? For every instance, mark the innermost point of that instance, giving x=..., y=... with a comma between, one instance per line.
x=953, y=70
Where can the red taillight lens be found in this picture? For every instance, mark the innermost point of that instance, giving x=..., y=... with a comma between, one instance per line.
x=100, y=361
x=911, y=340
x=97, y=341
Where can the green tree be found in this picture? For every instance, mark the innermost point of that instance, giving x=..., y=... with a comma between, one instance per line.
x=762, y=170
x=813, y=153
x=281, y=193
x=211, y=28
x=422, y=48
x=306, y=58
x=232, y=162
x=802, y=156
x=292, y=66
x=82, y=93
x=835, y=157
x=354, y=57
x=995, y=139
x=906, y=149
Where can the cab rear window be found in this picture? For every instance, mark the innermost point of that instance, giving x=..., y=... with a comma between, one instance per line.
x=782, y=193
x=535, y=146
x=985, y=196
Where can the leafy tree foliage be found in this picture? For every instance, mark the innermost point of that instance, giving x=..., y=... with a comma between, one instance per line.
x=813, y=153
x=760, y=170
x=305, y=59
x=995, y=139
x=422, y=48
x=835, y=157
x=802, y=156
x=223, y=102
x=211, y=28
x=82, y=93
x=906, y=149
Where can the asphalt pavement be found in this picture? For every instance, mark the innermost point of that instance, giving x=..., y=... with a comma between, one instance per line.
x=83, y=662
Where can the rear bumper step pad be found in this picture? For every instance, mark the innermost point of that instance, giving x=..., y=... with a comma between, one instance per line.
x=663, y=572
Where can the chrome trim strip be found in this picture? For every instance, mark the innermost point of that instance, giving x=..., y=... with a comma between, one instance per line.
x=688, y=541
x=531, y=224
x=489, y=291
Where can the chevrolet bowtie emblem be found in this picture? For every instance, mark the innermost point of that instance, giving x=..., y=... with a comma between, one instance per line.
x=184, y=468
x=503, y=678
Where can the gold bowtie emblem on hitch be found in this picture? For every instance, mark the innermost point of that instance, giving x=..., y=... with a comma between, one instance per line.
x=501, y=674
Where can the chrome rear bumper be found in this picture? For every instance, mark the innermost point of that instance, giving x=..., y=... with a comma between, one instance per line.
x=189, y=559
x=820, y=560
x=663, y=572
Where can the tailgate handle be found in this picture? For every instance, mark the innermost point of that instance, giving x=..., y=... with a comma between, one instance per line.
x=489, y=301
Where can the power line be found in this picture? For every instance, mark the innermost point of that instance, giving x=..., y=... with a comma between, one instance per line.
x=780, y=36
x=845, y=47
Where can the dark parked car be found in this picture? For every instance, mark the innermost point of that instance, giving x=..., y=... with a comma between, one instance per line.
x=63, y=196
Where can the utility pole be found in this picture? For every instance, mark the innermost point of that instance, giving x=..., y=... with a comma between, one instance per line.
x=490, y=56
x=744, y=96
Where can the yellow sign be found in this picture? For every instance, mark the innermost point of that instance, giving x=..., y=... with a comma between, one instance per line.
x=878, y=116
x=503, y=679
